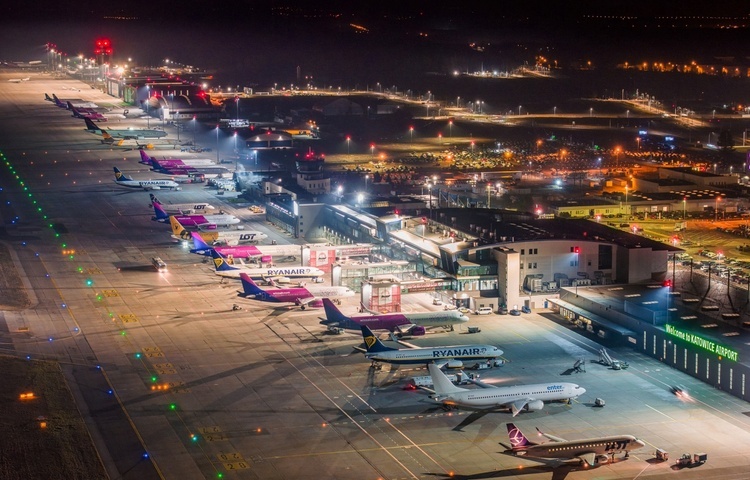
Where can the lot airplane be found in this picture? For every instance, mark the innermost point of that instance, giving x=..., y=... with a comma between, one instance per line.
x=403, y=323
x=518, y=397
x=125, y=181
x=224, y=269
x=197, y=220
x=591, y=452
x=239, y=251
x=228, y=237
x=126, y=133
x=302, y=296
x=452, y=355
x=180, y=208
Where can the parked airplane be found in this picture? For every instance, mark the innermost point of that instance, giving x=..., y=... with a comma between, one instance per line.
x=126, y=133
x=125, y=181
x=197, y=220
x=224, y=269
x=412, y=323
x=89, y=113
x=453, y=355
x=303, y=296
x=518, y=397
x=228, y=237
x=240, y=251
x=180, y=208
x=76, y=102
x=18, y=80
x=175, y=162
x=592, y=451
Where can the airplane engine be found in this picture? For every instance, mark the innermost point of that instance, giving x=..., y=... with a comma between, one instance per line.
x=601, y=459
x=455, y=364
x=418, y=331
x=534, y=406
x=315, y=304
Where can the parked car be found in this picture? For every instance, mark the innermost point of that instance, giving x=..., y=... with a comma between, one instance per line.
x=525, y=309
x=515, y=313
x=484, y=310
x=464, y=310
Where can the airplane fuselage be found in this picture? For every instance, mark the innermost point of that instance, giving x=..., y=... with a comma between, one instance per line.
x=147, y=184
x=291, y=272
x=580, y=448
x=433, y=354
x=201, y=220
x=502, y=396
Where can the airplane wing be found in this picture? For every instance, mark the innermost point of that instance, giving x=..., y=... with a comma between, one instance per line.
x=231, y=242
x=518, y=405
x=551, y=437
x=406, y=344
x=371, y=312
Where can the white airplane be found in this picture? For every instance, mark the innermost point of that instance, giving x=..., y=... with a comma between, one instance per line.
x=591, y=451
x=125, y=181
x=518, y=397
x=452, y=355
x=304, y=296
x=224, y=269
x=18, y=80
x=216, y=237
x=181, y=208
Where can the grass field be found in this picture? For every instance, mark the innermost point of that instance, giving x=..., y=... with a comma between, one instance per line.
x=62, y=449
x=14, y=295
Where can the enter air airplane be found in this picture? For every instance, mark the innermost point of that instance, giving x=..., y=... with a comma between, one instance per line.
x=518, y=397
x=453, y=355
x=126, y=133
x=302, y=296
x=411, y=323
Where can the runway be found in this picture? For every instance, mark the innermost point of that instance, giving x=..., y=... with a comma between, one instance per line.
x=201, y=391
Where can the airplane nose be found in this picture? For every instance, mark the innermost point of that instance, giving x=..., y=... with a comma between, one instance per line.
x=463, y=318
x=640, y=443
x=581, y=390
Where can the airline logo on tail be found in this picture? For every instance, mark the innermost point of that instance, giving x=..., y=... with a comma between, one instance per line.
x=178, y=230
x=219, y=263
x=370, y=341
x=517, y=439
x=121, y=177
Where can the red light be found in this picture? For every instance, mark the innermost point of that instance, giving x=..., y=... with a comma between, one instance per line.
x=576, y=250
x=667, y=283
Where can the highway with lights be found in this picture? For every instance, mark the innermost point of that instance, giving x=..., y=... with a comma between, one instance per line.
x=174, y=383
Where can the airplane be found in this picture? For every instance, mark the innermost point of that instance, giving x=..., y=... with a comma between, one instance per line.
x=180, y=208
x=451, y=355
x=89, y=113
x=228, y=237
x=125, y=181
x=126, y=133
x=224, y=269
x=174, y=162
x=18, y=80
x=197, y=220
x=302, y=296
x=592, y=452
x=239, y=251
x=76, y=102
x=518, y=397
x=416, y=322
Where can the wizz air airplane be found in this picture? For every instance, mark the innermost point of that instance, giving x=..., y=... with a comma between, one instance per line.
x=228, y=237
x=76, y=102
x=592, y=452
x=453, y=355
x=180, y=208
x=125, y=181
x=239, y=251
x=126, y=133
x=198, y=220
x=404, y=323
x=302, y=296
x=174, y=162
x=517, y=398
x=89, y=113
x=224, y=269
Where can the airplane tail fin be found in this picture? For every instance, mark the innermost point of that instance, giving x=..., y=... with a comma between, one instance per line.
x=47, y=97
x=220, y=263
x=70, y=107
x=517, y=439
x=335, y=317
x=159, y=214
x=145, y=159
x=154, y=199
x=372, y=343
x=248, y=286
x=121, y=177
x=106, y=137
x=177, y=229
x=442, y=384
x=201, y=247
x=57, y=101
x=91, y=126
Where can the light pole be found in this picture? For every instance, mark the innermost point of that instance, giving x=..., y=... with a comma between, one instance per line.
x=638, y=140
x=177, y=124
x=429, y=205
x=519, y=110
x=367, y=177
x=148, y=112
x=489, y=199
x=217, y=144
x=554, y=110
x=626, y=202
x=194, y=130
x=411, y=135
x=684, y=204
x=450, y=128
x=348, y=142
x=440, y=138
x=372, y=150
x=716, y=209
x=458, y=102
x=340, y=191
x=591, y=112
x=235, y=143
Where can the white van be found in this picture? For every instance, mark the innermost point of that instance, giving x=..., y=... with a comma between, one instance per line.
x=484, y=310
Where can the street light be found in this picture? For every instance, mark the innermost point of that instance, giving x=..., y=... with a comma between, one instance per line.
x=367, y=177
x=177, y=124
x=638, y=139
x=716, y=209
x=348, y=142
x=235, y=143
x=217, y=144
x=554, y=110
x=440, y=138
x=372, y=150
x=148, y=101
x=684, y=203
x=194, y=122
x=450, y=128
x=591, y=112
x=411, y=134
x=519, y=110
x=626, y=201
